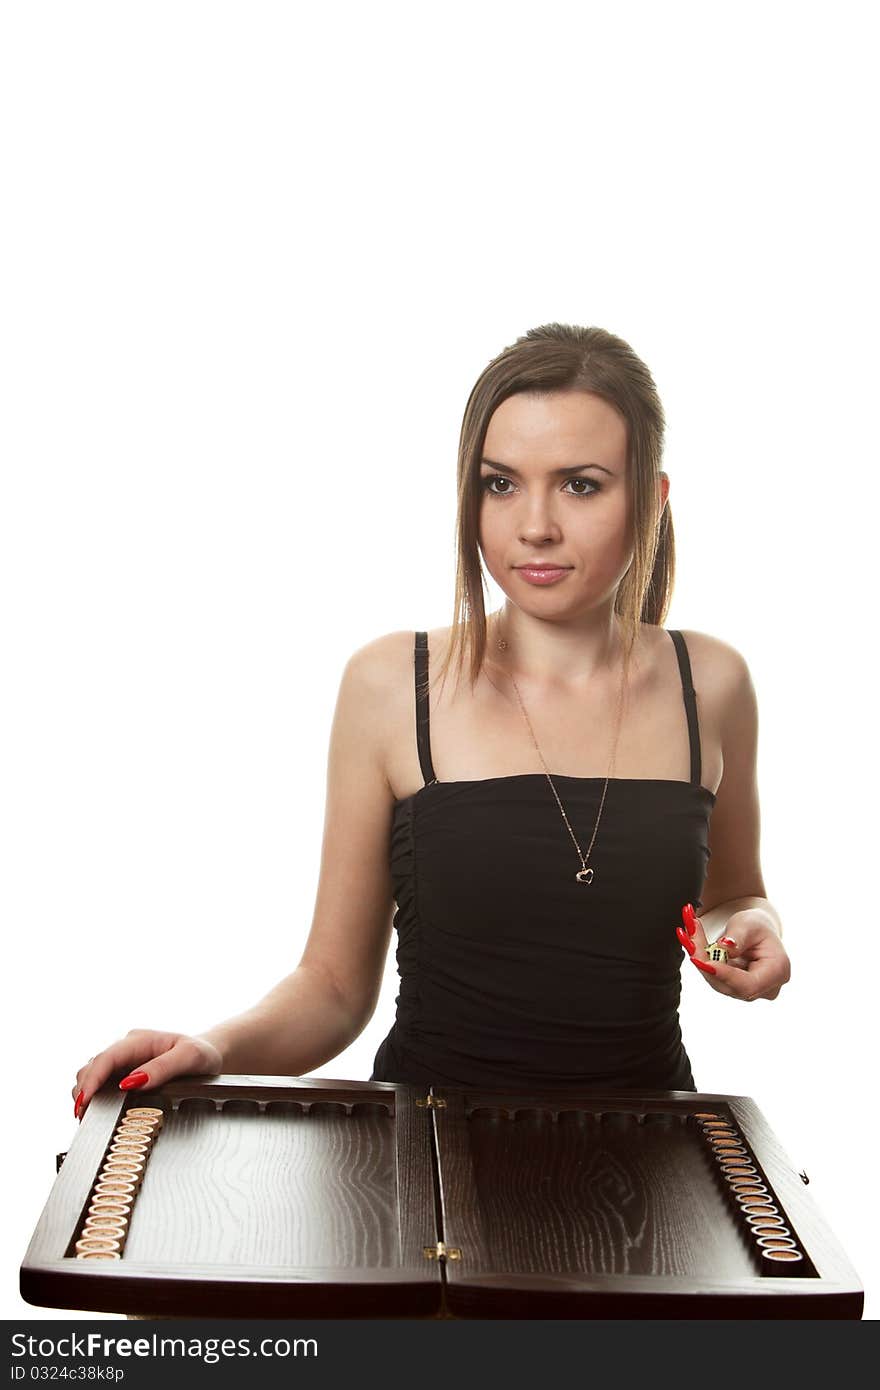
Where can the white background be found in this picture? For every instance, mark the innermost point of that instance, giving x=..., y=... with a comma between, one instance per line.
x=254, y=259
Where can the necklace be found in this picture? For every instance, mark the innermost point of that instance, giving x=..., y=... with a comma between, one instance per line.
x=584, y=875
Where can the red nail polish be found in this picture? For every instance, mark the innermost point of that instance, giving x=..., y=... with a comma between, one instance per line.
x=136, y=1078
x=76, y=1104
x=727, y=941
x=685, y=941
x=688, y=916
x=704, y=965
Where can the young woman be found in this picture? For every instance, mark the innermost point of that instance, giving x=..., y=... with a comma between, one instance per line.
x=543, y=822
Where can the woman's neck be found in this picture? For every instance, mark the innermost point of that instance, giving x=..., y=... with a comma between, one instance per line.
x=556, y=655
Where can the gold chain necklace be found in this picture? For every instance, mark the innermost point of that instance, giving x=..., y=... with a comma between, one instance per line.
x=584, y=875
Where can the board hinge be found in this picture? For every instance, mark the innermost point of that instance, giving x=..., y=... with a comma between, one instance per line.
x=441, y=1251
x=432, y=1102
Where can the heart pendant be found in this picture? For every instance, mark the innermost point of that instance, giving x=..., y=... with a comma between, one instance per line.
x=584, y=876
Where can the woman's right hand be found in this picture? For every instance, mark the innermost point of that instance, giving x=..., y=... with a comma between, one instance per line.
x=148, y=1059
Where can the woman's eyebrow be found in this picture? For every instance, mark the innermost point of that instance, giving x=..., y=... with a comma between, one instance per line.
x=556, y=473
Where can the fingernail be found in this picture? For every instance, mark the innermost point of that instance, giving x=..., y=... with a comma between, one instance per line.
x=704, y=965
x=685, y=941
x=136, y=1078
x=688, y=916
x=727, y=941
x=76, y=1104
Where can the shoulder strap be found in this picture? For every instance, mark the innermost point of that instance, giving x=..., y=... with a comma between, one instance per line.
x=423, y=712
x=690, y=703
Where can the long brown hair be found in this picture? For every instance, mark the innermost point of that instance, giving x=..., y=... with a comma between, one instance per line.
x=565, y=357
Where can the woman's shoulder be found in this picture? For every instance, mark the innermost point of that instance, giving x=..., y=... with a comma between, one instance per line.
x=393, y=652
x=377, y=664
x=373, y=660
x=713, y=659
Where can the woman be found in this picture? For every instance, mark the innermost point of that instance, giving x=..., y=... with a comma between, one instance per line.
x=551, y=812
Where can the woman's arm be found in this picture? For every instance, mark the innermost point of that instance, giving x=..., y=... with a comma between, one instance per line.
x=300, y=1024
x=716, y=919
x=735, y=904
x=735, y=824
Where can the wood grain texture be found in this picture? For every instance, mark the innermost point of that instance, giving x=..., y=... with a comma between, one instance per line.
x=292, y=1197
x=262, y=1197
x=617, y=1206
x=292, y=1186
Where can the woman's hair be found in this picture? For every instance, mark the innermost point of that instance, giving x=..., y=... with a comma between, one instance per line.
x=565, y=357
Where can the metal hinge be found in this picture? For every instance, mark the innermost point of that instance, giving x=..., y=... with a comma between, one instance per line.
x=432, y=1102
x=441, y=1251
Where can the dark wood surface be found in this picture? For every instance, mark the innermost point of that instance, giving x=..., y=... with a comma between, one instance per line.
x=263, y=1197
x=290, y=1197
x=618, y=1207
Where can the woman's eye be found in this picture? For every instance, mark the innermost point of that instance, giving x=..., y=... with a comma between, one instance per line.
x=494, y=478
x=577, y=484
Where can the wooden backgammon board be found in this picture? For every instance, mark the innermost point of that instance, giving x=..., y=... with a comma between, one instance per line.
x=259, y=1196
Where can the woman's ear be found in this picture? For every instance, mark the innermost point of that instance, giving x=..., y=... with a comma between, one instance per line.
x=664, y=491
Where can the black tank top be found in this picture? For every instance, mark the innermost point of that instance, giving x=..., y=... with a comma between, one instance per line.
x=514, y=975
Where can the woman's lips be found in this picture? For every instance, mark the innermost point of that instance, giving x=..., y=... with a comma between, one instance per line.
x=542, y=576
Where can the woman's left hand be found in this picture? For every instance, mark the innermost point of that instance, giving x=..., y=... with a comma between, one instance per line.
x=757, y=962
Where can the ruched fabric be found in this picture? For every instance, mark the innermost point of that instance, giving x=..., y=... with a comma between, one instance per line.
x=512, y=973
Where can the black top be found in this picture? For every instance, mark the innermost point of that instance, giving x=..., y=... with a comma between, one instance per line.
x=513, y=974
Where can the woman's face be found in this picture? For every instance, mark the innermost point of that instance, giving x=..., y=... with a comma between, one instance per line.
x=554, y=489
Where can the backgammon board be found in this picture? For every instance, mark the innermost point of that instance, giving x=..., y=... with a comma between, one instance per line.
x=262, y=1196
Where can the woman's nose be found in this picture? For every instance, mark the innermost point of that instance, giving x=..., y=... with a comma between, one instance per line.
x=538, y=521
